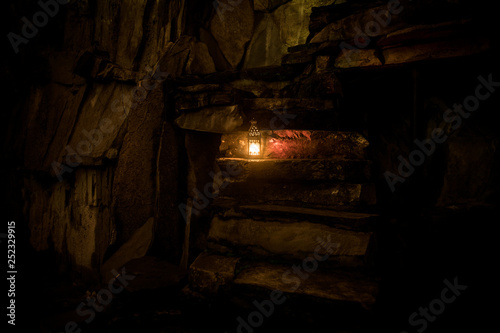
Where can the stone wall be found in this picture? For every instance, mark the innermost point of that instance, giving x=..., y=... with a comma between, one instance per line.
x=93, y=135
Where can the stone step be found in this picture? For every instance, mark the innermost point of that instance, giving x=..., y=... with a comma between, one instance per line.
x=290, y=113
x=212, y=274
x=318, y=194
x=274, y=237
x=340, y=219
x=298, y=144
x=289, y=170
x=342, y=286
x=321, y=16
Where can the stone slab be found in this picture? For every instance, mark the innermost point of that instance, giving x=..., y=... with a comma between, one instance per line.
x=266, y=47
x=299, y=144
x=436, y=50
x=338, y=286
x=222, y=119
x=336, y=218
x=295, y=239
x=136, y=247
x=339, y=196
x=152, y=273
x=271, y=104
x=358, y=58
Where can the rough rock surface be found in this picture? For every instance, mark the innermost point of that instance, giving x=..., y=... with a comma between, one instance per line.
x=135, y=172
x=232, y=27
x=287, y=144
x=209, y=272
x=76, y=222
x=222, y=119
x=136, y=247
x=286, y=26
x=338, y=286
x=266, y=47
x=294, y=239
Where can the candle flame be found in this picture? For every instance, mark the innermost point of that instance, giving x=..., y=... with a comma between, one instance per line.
x=254, y=149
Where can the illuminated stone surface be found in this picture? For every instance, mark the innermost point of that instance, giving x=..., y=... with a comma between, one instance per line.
x=299, y=144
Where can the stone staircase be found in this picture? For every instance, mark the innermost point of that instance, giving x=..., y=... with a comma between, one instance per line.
x=301, y=220
x=298, y=220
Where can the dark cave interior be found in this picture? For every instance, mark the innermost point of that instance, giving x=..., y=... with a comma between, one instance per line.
x=141, y=204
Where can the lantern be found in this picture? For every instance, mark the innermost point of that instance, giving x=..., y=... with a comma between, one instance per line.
x=254, y=140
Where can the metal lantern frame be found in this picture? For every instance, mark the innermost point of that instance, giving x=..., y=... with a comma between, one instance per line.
x=254, y=140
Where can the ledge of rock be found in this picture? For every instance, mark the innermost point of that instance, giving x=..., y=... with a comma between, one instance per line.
x=340, y=219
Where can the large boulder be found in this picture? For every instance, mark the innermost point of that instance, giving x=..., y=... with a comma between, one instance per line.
x=266, y=47
x=286, y=26
x=187, y=56
x=135, y=174
x=49, y=124
x=101, y=117
x=232, y=26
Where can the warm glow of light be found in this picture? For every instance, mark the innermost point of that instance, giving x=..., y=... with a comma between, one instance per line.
x=254, y=148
